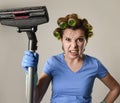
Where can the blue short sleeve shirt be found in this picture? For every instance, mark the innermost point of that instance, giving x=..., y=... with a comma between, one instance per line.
x=69, y=86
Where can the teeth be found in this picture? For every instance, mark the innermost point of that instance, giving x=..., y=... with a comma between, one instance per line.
x=73, y=51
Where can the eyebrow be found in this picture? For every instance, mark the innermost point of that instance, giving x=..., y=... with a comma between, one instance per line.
x=78, y=37
x=82, y=36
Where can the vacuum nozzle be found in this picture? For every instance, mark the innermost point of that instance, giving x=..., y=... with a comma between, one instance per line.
x=26, y=17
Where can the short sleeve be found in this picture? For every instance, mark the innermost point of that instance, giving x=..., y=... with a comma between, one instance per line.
x=102, y=70
x=47, y=69
x=52, y=64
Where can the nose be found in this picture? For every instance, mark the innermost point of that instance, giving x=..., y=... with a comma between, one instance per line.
x=74, y=44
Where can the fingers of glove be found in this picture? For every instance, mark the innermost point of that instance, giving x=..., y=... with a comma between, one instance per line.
x=30, y=59
x=36, y=56
x=29, y=63
x=32, y=55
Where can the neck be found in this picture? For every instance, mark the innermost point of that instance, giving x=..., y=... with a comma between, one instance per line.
x=74, y=64
x=74, y=60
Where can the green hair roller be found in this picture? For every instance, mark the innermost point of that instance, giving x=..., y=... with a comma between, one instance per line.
x=90, y=27
x=57, y=35
x=72, y=22
x=63, y=25
x=90, y=35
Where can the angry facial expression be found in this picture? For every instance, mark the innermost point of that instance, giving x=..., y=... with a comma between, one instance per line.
x=73, y=43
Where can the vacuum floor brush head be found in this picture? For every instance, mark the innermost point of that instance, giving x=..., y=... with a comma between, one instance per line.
x=26, y=17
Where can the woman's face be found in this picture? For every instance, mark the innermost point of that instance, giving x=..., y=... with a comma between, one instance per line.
x=73, y=43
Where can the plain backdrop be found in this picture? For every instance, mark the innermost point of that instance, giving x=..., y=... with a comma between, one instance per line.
x=104, y=15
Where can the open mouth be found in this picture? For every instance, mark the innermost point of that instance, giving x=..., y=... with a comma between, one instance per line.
x=74, y=52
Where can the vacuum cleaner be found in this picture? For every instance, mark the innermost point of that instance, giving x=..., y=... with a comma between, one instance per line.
x=26, y=19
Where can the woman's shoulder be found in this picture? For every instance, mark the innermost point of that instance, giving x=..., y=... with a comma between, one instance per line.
x=56, y=58
x=90, y=58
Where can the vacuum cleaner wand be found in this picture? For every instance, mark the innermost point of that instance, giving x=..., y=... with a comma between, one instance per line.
x=26, y=19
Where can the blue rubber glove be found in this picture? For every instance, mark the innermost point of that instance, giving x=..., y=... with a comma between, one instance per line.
x=30, y=59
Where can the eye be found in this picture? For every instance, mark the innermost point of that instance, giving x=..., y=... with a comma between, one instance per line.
x=80, y=39
x=68, y=39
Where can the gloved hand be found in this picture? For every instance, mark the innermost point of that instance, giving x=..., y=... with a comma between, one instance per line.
x=30, y=59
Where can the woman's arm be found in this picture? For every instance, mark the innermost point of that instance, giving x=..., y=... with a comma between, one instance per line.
x=41, y=87
x=114, y=87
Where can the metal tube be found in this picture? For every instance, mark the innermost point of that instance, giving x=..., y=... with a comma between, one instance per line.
x=32, y=47
x=30, y=88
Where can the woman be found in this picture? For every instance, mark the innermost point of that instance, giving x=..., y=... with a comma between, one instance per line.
x=72, y=72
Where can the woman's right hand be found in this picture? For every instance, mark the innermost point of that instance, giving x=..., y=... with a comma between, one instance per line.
x=30, y=59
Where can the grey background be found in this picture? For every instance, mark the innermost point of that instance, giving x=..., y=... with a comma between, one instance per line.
x=105, y=44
